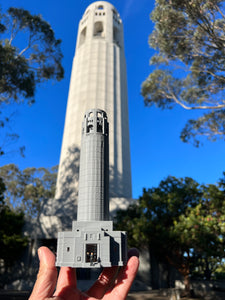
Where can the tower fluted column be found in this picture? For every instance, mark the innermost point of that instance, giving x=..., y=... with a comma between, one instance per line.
x=98, y=80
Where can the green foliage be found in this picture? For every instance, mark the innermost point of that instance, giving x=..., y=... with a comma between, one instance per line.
x=220, y=271
x=39, y=60
x=29, y=55
x=23, y=193
x=130, y=217
x=189, y=64
x=12, y=241
x=203, y=230
x=182, y=222
x=2, y=190
x=28, y=190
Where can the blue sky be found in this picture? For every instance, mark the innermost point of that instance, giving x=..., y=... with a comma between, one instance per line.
x=156, y=150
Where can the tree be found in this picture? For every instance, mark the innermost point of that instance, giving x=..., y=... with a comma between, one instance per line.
x=202, y=231
x=26, y=196
x=29, y=189
x=176, y=222
x=158, y=209
x=189, y=37
x=12, y=241
x=29, y=55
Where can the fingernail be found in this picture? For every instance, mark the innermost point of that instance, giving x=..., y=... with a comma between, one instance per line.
x=40, y=254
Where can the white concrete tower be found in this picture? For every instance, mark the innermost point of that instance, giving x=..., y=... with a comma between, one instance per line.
x=98, y=80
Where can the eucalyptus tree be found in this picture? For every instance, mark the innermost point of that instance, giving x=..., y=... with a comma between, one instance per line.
x=29, y=55
x=189, y=64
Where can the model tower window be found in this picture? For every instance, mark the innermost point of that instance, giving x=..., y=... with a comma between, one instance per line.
x=91, y=253
x=98, y=29
x=99, y=123
x=90, y=125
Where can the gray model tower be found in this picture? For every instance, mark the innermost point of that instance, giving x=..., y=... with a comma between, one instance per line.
x=92, y=242
x=98, y=80
x=93, y=197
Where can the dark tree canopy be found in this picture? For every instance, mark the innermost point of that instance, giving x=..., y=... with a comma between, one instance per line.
x=38, y=58
x=11, y=237
x=181, y=223
x=189, y=39
x=29, y=55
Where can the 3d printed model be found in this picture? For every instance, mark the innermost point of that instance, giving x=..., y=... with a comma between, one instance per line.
x=92, y=243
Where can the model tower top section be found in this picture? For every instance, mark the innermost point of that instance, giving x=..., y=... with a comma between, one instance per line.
x=102, y=14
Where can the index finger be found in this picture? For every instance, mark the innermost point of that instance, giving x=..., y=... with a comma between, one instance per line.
x=125, y=279
x=67, y=278
x=103, y=283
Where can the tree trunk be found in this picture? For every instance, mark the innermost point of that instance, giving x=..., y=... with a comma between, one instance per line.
x=183, y=266
x=207, y=271
x=187, y=285
x=154, y=270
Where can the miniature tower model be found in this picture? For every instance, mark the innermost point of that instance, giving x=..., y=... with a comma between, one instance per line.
x=93, y=198
x=92, y=242
x=98, y=80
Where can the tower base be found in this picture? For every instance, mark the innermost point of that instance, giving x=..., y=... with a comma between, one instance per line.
x=91, y=244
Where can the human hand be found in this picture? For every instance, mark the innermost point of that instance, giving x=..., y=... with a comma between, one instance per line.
x=111, y=284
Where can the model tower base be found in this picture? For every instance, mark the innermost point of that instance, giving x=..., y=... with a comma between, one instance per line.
x=92, y=245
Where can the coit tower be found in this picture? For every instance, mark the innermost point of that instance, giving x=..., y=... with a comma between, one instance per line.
x=98, y=80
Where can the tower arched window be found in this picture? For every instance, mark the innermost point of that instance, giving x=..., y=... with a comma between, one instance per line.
x=98, y=29
x=83, y=36
x=116, y=37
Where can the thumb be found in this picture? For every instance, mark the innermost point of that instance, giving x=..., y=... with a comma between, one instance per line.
x=47, y=275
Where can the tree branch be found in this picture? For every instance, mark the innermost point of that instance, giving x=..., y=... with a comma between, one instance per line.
x=28, y=46
x=220, y=11
x=219, y=106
